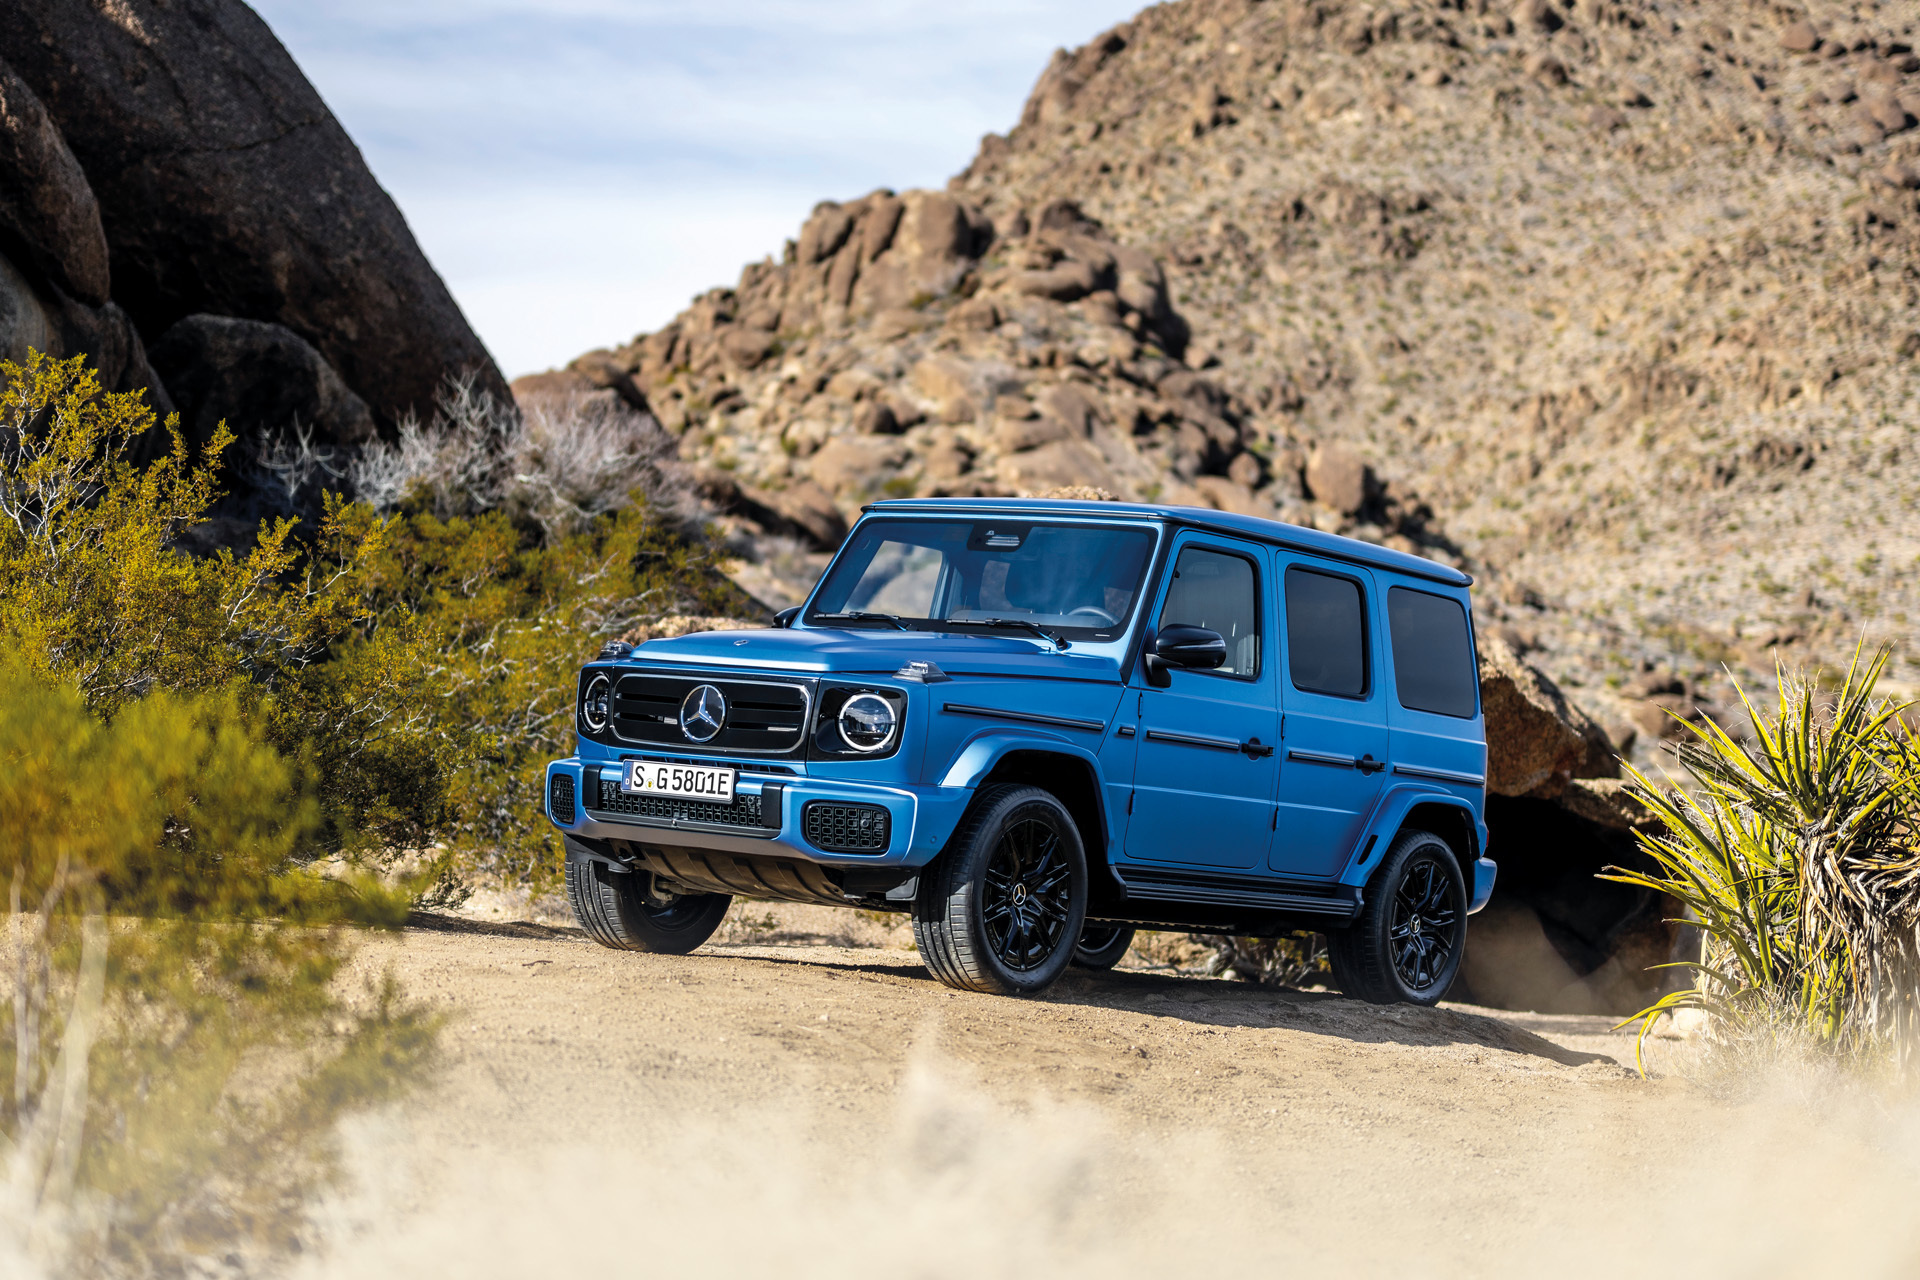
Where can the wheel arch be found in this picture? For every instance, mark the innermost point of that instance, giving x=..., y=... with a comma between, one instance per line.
x=1446, y=815
x=1071, y=779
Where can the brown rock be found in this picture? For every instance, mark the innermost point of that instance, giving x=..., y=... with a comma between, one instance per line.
x=1065, y=283
x=1061, y=463
x=1070, y=406
x=1246, y=471
x=975, y=315
x=853, y=467
x=1339, y=478
x=1546, y=68
x=554, y=384
x=603, y=369
x=1225, y=495
x=825, y=232
x=226, y=187
x=881, y=222
x=1013, y=434
x=1886, y=111
x=1537, y=15
x=46, y=207
x=1605, y=118
x=1537, y=740
x=1799, y=37
x=875, y=418
x=1605, y=801
x=747, y=348
x=948, y=386
x=806, y=509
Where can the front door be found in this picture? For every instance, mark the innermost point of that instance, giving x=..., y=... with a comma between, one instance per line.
x=1334, y=754
x=1205, y=770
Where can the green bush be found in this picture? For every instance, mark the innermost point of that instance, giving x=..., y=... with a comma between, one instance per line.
x=1796, y=855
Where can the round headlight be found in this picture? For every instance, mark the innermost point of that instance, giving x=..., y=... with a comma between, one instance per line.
x=867, y=722
x=596, y=704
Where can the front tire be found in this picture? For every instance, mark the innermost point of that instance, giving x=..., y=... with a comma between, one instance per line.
x=1002, y=909
x=1102, y=945
x=1406, y=946
x=628, y=911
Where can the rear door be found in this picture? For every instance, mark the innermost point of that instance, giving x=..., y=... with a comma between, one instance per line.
x=1333, y=697
x=1206, y=765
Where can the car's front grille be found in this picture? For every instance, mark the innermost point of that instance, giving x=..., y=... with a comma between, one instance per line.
x=743, y=812
x=762, y=716
x=560, y=799
x=846, y=828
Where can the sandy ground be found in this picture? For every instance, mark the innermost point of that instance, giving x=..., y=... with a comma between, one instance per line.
x=783, y=1103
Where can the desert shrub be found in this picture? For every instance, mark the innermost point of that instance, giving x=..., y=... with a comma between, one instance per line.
x=171, y=1075
x=555, y=464
x=412, y=658
x=1290, y=961
x=1795, y=853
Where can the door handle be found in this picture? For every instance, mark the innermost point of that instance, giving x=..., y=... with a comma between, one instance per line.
x=1254, y=750
x=1368, y=765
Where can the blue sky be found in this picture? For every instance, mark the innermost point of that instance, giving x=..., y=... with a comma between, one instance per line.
x=578, y=169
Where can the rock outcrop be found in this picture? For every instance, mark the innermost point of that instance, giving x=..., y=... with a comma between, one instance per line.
x=262, y=376
x=222, y=185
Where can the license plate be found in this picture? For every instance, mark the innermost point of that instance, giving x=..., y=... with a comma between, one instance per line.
x=685, y=781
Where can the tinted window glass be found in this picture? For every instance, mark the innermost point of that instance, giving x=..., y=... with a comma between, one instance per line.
x=1214, y=590
x=1432, y=654
x=1081, y=580
x=1326, y=634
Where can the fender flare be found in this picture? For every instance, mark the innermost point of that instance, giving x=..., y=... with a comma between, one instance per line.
x=980, y=754
x=1390, y=814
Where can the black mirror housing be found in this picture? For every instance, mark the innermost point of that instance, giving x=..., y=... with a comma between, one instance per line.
x=784, y=619
x=1192, y=648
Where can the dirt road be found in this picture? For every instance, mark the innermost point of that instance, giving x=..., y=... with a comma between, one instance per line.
x=780, y=1105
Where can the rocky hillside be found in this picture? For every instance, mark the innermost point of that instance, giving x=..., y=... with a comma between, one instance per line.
x=1612, y=300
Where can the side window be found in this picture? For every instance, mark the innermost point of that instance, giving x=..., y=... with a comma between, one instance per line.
x=1215, y=590
x=1326, y=634
x=1433, y=664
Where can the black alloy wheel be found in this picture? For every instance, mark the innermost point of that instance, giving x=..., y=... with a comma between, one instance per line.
x=1002, y=908
x=1026, y=902
x=1407, y=943
x=1421, y=927
x=1102, y=945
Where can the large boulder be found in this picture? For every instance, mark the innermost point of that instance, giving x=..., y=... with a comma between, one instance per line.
x=225, y=186
x=48, y=216
x=259, y=379
x=1537, y=740
x=35, y=316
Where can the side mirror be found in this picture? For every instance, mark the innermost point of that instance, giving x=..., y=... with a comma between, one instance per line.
x=1193, y=648
x=784, y=619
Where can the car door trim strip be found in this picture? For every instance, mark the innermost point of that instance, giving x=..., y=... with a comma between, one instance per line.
x=1322, y=757
x=1441, y=775
x=1193, y=740
x=1025, y=717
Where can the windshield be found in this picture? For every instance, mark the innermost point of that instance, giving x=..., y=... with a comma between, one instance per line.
x=1077, y=580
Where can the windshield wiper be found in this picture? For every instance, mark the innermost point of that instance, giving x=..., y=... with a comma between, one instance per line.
x=861, y=615
x=1019, y=624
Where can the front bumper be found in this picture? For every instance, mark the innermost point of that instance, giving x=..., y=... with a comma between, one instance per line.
x=919, y=819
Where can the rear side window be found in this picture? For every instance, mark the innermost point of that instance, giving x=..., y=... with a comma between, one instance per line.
x=1432, y=653
x=1326, y=634
x=1215, y=590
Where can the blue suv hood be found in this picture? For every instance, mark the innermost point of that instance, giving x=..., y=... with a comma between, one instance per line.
x=875, y=652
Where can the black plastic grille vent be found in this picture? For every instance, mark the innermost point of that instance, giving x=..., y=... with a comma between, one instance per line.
x=743, y=812
x=846, y=828
x=761, y=717
x=560, y=799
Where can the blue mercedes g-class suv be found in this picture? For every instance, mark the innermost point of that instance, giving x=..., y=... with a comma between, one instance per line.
x=1037, y=725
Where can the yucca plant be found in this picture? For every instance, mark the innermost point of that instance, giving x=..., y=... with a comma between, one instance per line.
x=1795, y=854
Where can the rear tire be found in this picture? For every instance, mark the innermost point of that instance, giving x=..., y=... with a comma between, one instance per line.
x=1002, y=909
x=1406, y=946
x=1102, y=945
x=627, y=911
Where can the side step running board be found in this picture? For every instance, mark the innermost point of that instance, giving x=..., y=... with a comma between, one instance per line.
x=1338, y=904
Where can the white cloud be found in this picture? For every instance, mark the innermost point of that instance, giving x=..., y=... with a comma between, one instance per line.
x=578, y=168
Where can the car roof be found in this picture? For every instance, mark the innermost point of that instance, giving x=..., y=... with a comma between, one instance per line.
x=1275, y=532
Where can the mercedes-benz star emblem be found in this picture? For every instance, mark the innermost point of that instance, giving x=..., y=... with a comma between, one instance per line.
x=703, y=714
